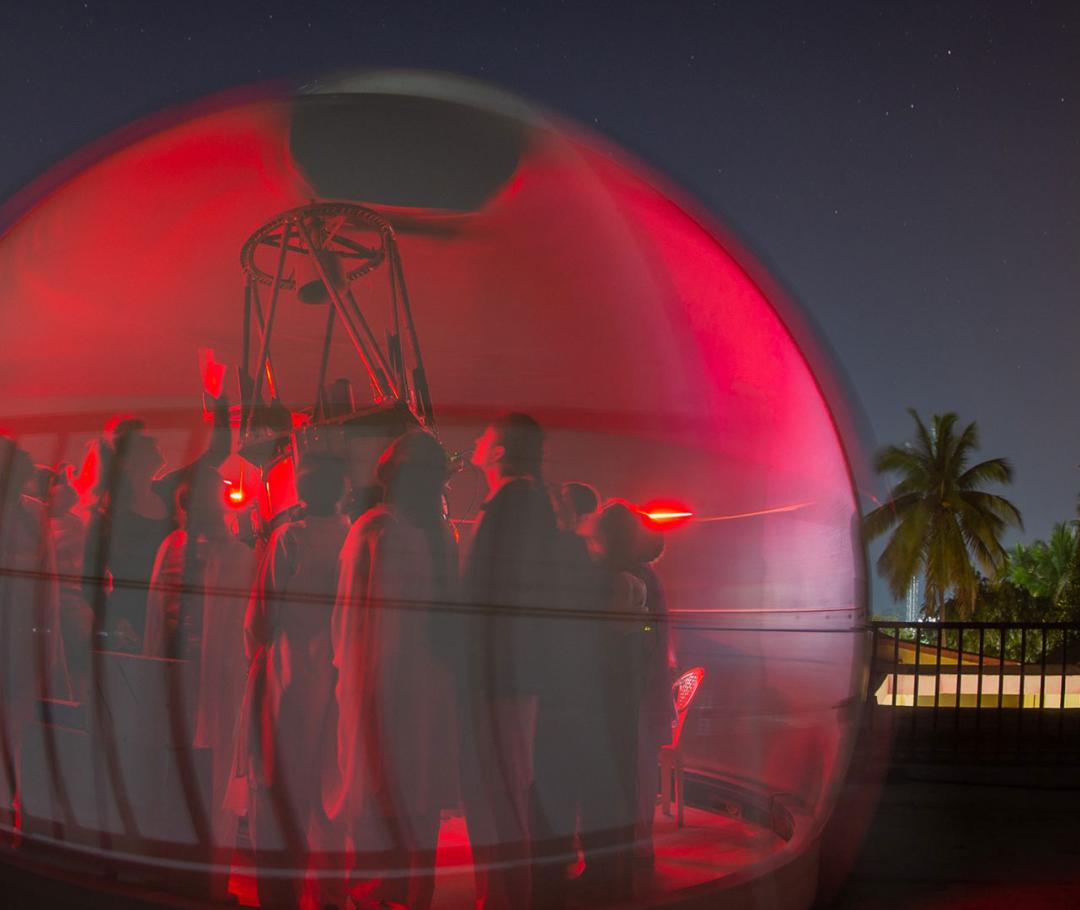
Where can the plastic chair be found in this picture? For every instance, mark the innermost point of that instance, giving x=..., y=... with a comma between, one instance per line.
x=683, y=691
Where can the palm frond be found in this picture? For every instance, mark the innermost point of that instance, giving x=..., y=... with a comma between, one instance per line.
x=981, y=534
x=923, y=439
x=903, y=557
x=962, y=447
x=992, y=504
x=887, y=515
x=993, y=470
x=898, y=460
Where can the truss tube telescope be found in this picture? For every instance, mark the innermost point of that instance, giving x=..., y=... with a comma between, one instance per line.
x=320, y=250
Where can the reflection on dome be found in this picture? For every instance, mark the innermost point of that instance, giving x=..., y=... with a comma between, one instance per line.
x=263, y=634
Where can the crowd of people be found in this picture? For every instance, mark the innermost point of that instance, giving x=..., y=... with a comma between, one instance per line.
x=359, y=680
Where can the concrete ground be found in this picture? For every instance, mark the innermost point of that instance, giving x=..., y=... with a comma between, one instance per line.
x=970, y=837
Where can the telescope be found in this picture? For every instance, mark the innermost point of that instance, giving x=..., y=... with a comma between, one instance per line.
x=317, y=259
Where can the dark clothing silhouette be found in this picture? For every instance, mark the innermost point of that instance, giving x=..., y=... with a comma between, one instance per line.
x=610, y=775
x=508, y=583
x=124, y=544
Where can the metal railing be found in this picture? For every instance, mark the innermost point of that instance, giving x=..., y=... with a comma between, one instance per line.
x=977, y=690
x=114, y=836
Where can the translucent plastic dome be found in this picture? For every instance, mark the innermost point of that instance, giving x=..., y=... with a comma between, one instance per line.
x=546, y=274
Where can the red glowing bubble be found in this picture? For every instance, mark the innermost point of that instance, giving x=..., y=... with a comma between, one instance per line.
x=512, y=287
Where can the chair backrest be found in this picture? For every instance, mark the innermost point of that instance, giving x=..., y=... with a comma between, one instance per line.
x=683, y=691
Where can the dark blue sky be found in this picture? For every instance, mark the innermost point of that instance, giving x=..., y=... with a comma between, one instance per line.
x=911, y=172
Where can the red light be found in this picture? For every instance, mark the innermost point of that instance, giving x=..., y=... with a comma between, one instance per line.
x=213, y=373
x=280, y=482
x=665, y=516
x=234, y=494
x=270, y=384
x=84, y=479
x=213, y=378
x=243, y=484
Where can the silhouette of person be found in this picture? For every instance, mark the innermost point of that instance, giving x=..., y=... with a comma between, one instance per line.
x=175, y=595
x=577, y=504
x=610, y=806
x=229, y=573
x=396, y=712
x=68, y=531
x=288, y=730
x=31, y=664
x=509, y=582
x=198, y=594
x=134, y=513
x=657, y=713
x=125, y=530
x=569, y=718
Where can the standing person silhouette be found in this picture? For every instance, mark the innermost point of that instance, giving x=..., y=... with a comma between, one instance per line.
x=69, y=542
x=610, y=808
x=576, y=505
x=195, y=610
x=287, y=748
x=31, y=652
x=392, y=637
x=174, y=601
x=657, y=713
x=133, y=514
x=509, y=581
x=128, y=525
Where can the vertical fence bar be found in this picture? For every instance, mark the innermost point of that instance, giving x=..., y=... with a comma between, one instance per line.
x=915, y=685
x=1042, y=669
x=959, y=684
x=1072, y=716
x=1042, y=681
x=1064, y=676
x=895, y=663
x=979, y=687
x=937, y=685
x=1020, y=713
x=1003, y=633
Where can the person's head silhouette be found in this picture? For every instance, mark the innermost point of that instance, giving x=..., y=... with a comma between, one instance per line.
x=320, y=483
x=412, y=473
x=511, y=446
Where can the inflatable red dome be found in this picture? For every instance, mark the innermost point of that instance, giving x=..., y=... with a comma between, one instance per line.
x=543, y=273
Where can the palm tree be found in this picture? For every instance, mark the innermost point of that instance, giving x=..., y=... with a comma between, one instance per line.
x=940, y=516
x=1045, y=568
x=1071, y=596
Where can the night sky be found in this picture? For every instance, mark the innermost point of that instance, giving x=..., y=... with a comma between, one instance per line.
x=911, y=173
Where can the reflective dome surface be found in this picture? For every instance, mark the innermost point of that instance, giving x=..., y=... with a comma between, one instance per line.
x=547, y=274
